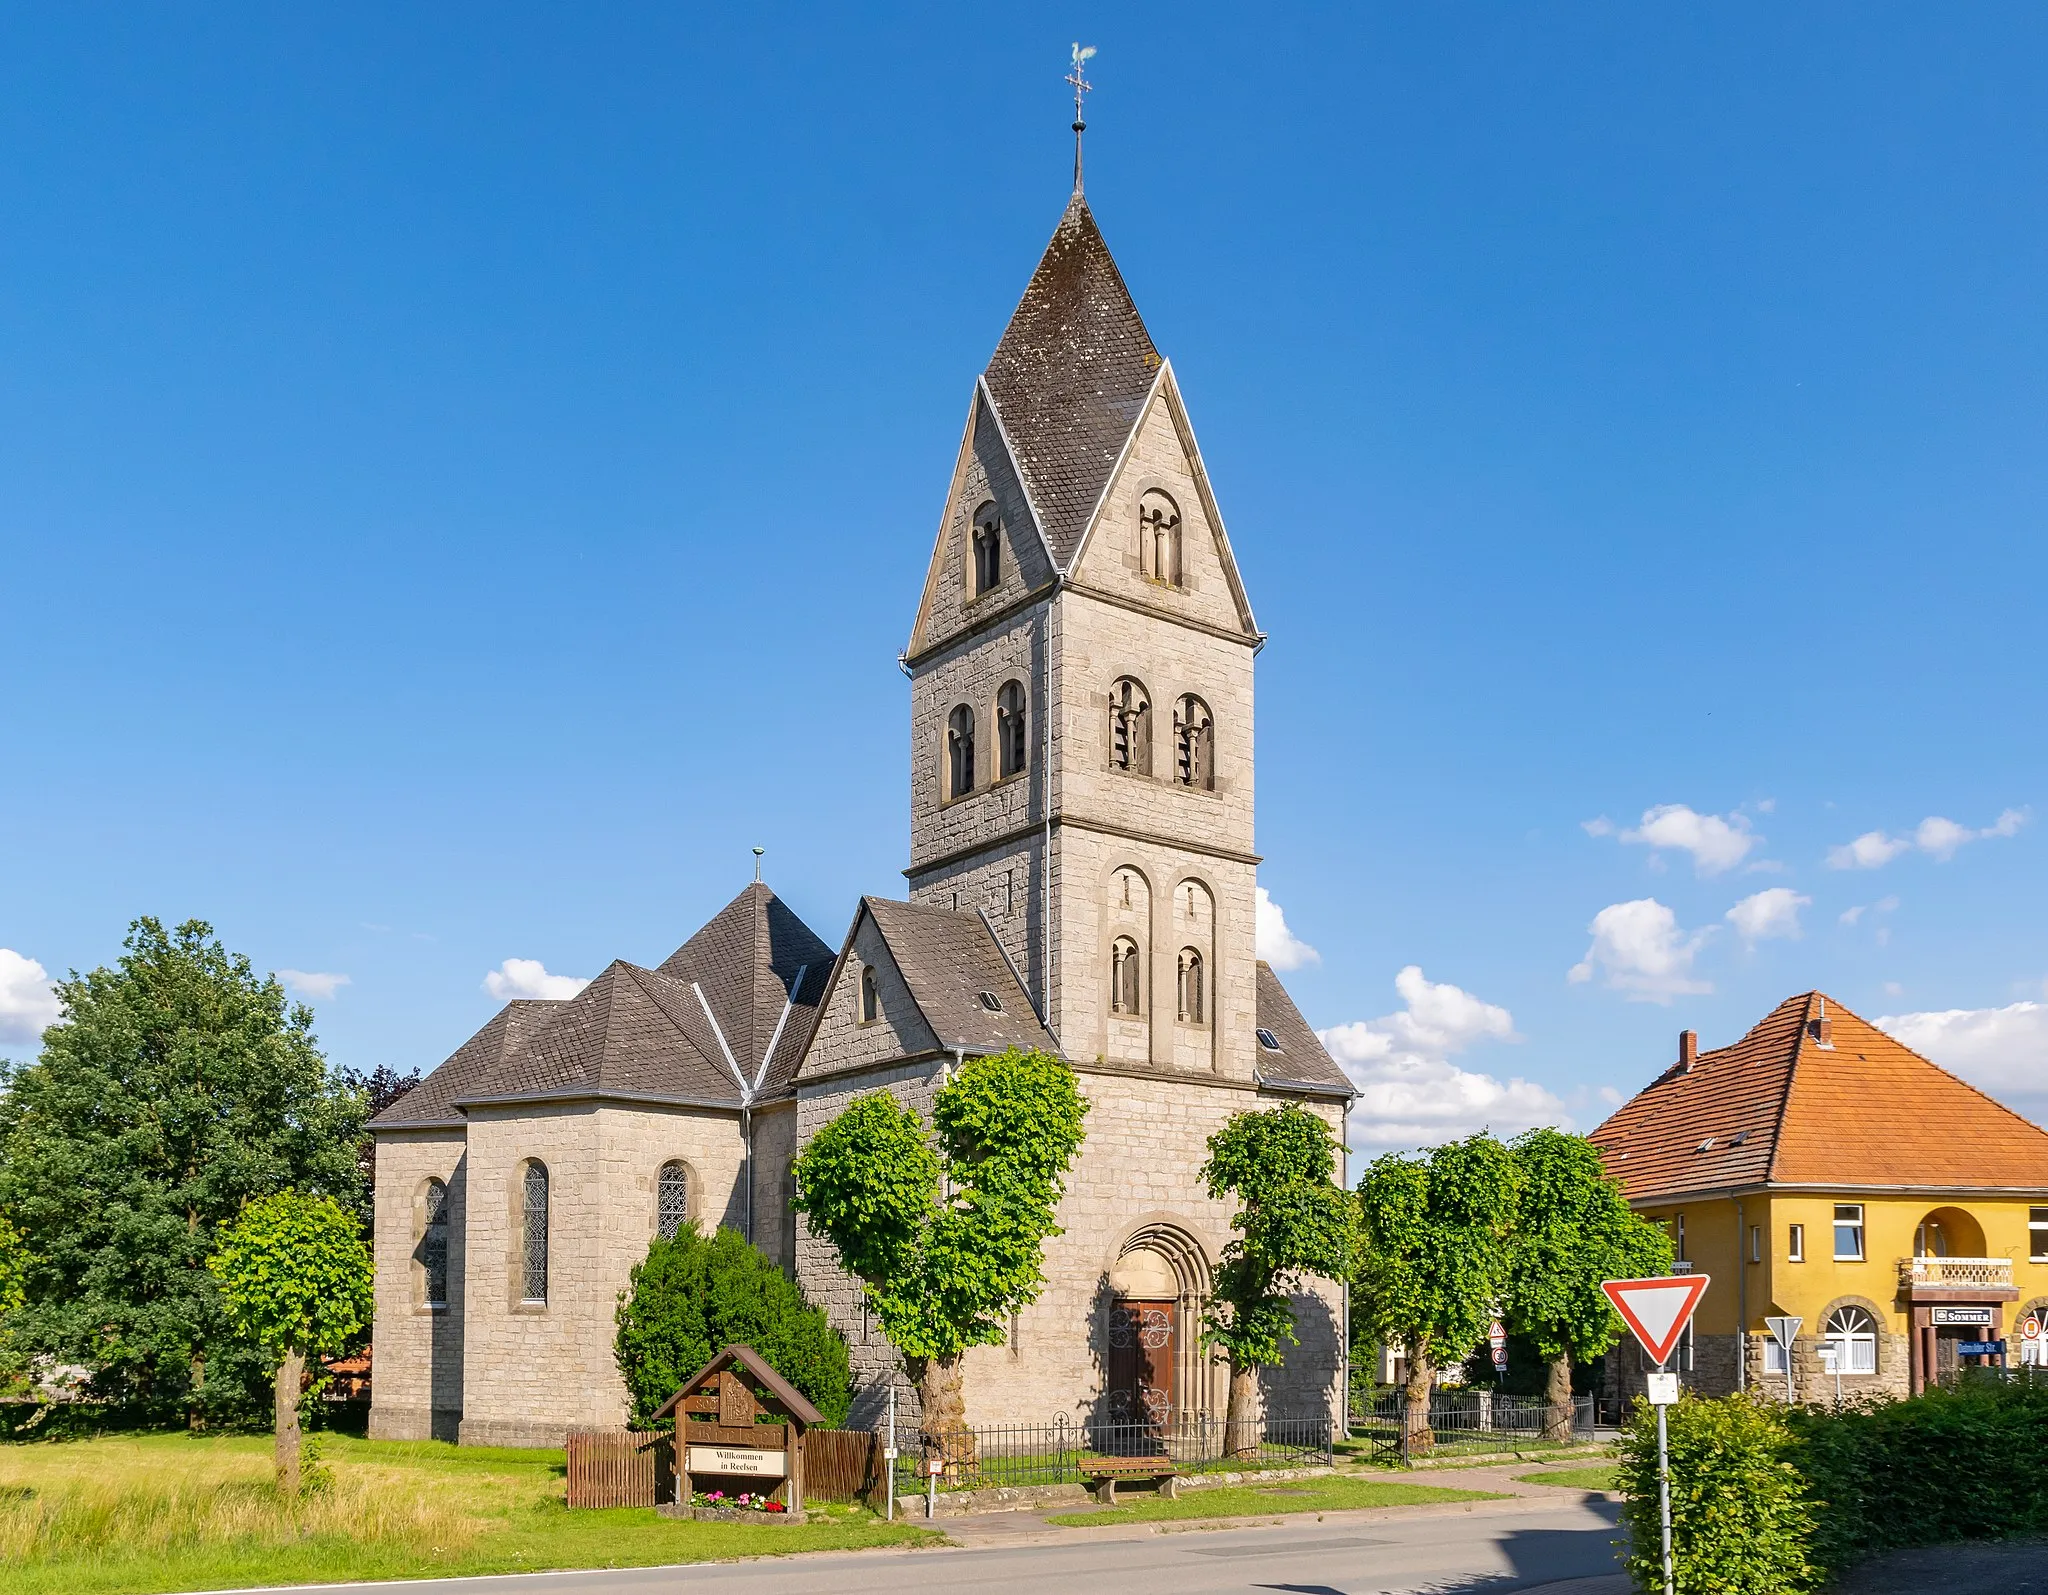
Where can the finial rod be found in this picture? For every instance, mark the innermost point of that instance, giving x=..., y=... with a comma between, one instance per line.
x=1081, y=87
x=757, y=862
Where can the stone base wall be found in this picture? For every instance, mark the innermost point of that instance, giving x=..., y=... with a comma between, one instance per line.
x=524, y=1436
x=1714, y=1369
x=392, y=1422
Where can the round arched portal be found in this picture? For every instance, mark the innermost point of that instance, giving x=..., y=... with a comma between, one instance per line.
x=1158, y=1373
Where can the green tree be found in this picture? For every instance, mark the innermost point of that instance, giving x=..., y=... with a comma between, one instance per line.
x=1293, y=1221
x=14, y=1262
x=1433, y=1256
x=176, y=1086
x=295, y=1278
x=1573, y=1229
x=694, y=1296
x=944, y=1265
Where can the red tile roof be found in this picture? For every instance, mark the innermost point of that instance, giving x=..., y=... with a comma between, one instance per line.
x=1780, y=1108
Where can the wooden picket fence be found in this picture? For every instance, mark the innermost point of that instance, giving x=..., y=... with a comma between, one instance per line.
x=636, y=1467
x=619, y=1467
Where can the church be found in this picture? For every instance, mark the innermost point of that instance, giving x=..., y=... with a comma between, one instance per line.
x=1082, y=879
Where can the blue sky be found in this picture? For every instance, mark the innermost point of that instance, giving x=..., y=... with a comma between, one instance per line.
x=465, y=478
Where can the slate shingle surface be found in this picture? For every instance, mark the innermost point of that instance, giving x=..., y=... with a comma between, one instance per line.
x=1069, y=377
x=432, y=1101
x=1780, y=1108
x=1302, y=1059
x=947, y=960
x=746, y=960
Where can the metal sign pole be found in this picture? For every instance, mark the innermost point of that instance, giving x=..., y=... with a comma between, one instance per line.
x=1664, y=1488
x=889, y=1458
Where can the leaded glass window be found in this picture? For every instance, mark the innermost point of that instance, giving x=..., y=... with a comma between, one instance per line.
x=433, y=1252
x=671, y=1200
x=535, y=1226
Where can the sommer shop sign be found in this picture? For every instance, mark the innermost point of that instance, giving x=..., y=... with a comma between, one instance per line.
x=1963, y=1315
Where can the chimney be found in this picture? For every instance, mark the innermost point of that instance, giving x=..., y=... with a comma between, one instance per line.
x=1688, y=1050
x=1823, y=1027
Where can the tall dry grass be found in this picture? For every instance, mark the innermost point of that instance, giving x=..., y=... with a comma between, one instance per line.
x=152, y=1506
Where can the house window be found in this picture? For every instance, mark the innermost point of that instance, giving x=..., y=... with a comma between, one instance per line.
x=1774, y=1355
x=433, y=1243
x=533, y=1250
x=1851, y=1333
x=870, y=1000
x=1194, y=744
x=1124, y=984
x=2037, y=1234
x=988, y=549
x=1130, y=728
x=1159, y=538
x=1012, y=732
x=1756, y=1243
x=1848, y=1232
x=1795, y=1244
x=1678, y=1236
x=671, y=1200
x=1191, y=1008
x=960, y=751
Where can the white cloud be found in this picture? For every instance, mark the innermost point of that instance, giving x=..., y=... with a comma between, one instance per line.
x=2003, y=1050
x=1603, y=826
x=1893, y=989
x=1935, y=836
x=1769, y=914
x=528, y=977
x=308, y=984
x=1410, y=1093
x=1643, y=952
x=28, y=999
x=1274, y=942
x=1884, y=905
x=1766, y=805
x=1716, y=844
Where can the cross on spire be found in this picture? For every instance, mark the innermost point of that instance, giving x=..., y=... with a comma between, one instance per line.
x=1081, y=87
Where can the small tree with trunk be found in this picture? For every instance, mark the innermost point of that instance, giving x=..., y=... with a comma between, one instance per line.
x=1293, y=1221
x=946, y=1227
x=1574, y=1229
x=1434, y=1257
x=295, y=1277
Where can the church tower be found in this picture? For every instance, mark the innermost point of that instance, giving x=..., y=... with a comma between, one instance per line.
x=1081, y=701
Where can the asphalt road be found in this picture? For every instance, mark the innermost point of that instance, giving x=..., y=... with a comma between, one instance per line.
x=1492, y=1551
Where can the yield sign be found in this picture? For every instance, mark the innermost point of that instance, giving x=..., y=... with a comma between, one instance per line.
x=1657, y=1309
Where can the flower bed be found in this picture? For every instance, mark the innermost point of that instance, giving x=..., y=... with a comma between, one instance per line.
x=722, y=1506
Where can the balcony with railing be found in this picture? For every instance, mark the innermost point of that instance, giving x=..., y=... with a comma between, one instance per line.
x=1978, y=1278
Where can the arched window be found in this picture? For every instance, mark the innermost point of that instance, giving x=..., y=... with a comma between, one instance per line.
x=1130, y=728
x=1125, y=983
x=671, y=1200
x=1191, y=1007
x=960, y=751
x=433, y=1243
x=1852, y=1333
x=988, y=549
x=533, y=1225
x=1159, y=537
x=1012, y=730
x=870, y=999
x=1194, y=744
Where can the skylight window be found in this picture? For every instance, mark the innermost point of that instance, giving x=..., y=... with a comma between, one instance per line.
x=991, y=1002
x=1707, y=1145
x=1738, y=1138
x=1269, y=1041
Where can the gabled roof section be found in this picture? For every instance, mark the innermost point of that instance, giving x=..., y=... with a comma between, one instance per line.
x=631, y=1032
x=431, y=1103
x=1783, y=1107
x=1070, y=376
x=1300, y=1063
x=762, y=971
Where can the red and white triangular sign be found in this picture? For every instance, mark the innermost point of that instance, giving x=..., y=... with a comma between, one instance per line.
x=1657, y=1309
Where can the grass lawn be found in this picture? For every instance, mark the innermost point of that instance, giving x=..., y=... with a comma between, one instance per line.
x=1265, y=1500
x=136, y=1514
x=1593, y=1478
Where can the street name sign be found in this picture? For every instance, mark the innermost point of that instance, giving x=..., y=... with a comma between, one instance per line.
x=1657, y=1310
x=1981, y=1348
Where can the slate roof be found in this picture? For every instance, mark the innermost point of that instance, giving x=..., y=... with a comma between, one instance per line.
x=1301, y=1063
x=947, y=960
x=634, y=1032
x=1070, y=376
x=1779, y=1108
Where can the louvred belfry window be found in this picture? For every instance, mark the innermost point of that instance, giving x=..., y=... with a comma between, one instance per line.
x=1125, y=986
x=1194, y=737
x=1159, y=538
x=988, y=549
x=1012, y=736
x=960, y=751
x=534, y=1247
x=1191, y=1006
x=1130, y=728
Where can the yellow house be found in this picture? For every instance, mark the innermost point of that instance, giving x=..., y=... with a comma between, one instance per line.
x=1818, y=1169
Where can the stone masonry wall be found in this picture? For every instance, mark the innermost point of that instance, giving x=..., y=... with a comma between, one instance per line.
x=416, y=1393
x=843, y=1040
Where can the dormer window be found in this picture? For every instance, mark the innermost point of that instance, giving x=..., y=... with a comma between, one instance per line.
x=1159, y=538
x=988, y=549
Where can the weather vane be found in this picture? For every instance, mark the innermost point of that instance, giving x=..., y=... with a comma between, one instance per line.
x=1081, y=87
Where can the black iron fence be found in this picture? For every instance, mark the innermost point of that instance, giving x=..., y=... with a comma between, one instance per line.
x=1468, y=1420
x=997, y=1456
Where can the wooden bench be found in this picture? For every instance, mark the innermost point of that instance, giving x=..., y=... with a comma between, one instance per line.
x=1104, y=1473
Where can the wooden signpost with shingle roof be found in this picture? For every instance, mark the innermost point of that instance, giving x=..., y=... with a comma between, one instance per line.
x=728, y=1436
